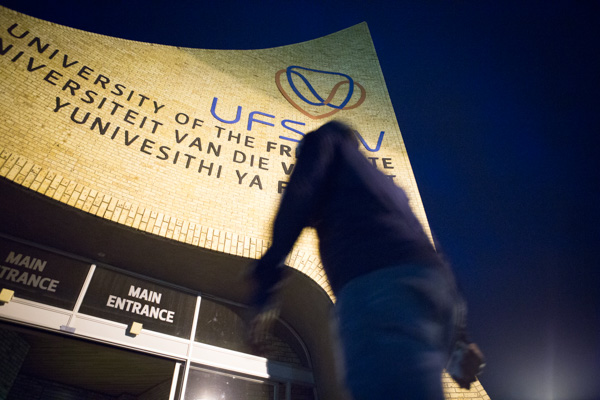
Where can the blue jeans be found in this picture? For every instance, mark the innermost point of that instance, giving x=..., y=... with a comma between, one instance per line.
x=395, y=327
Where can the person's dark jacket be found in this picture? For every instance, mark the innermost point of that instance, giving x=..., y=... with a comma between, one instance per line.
x=363, y=220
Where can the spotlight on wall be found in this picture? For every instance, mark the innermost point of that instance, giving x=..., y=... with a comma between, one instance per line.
x=6, y=295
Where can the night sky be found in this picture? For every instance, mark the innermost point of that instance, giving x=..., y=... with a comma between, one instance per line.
x=498, y=106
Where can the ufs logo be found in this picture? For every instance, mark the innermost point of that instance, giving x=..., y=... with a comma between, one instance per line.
x=319, y=94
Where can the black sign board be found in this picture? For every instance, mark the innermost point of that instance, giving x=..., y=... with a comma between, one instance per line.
x=122, y=298
x=39, y=275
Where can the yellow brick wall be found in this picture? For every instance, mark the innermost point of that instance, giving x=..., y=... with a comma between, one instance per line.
x=132, y=132
x=153, y=103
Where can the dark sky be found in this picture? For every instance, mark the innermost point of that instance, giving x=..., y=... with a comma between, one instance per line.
x=498, y=105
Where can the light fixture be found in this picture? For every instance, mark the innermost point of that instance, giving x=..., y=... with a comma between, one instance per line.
x=135, y=328
x=6, y=295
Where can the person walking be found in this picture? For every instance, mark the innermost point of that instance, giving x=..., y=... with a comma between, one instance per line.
x=396, y=299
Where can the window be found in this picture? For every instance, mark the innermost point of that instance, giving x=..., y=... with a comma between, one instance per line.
x=225, y=325
x=203, y=384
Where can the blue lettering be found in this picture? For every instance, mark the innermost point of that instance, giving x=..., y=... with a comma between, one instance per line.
x=251, y=119
x=214, y=114
x=379, y=140
x=284, y=124
x=294, y=135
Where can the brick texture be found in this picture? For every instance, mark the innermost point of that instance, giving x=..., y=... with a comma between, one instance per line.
x=188, y=144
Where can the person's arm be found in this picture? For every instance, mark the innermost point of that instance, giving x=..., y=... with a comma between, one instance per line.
x=301, y=196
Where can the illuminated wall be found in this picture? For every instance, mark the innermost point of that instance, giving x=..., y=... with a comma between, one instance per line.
x=193, y=145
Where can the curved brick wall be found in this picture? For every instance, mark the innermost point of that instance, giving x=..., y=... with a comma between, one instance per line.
x=190, y=144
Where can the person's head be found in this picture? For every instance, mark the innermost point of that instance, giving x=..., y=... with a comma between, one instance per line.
x=340, y=129
x=337, y=130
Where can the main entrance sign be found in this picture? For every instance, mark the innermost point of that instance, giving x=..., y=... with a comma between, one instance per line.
x=39, y=275
x=122, y=298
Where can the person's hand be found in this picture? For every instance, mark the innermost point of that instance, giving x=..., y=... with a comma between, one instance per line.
x=262, y=324
x=467, y=361
x=473, y=362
